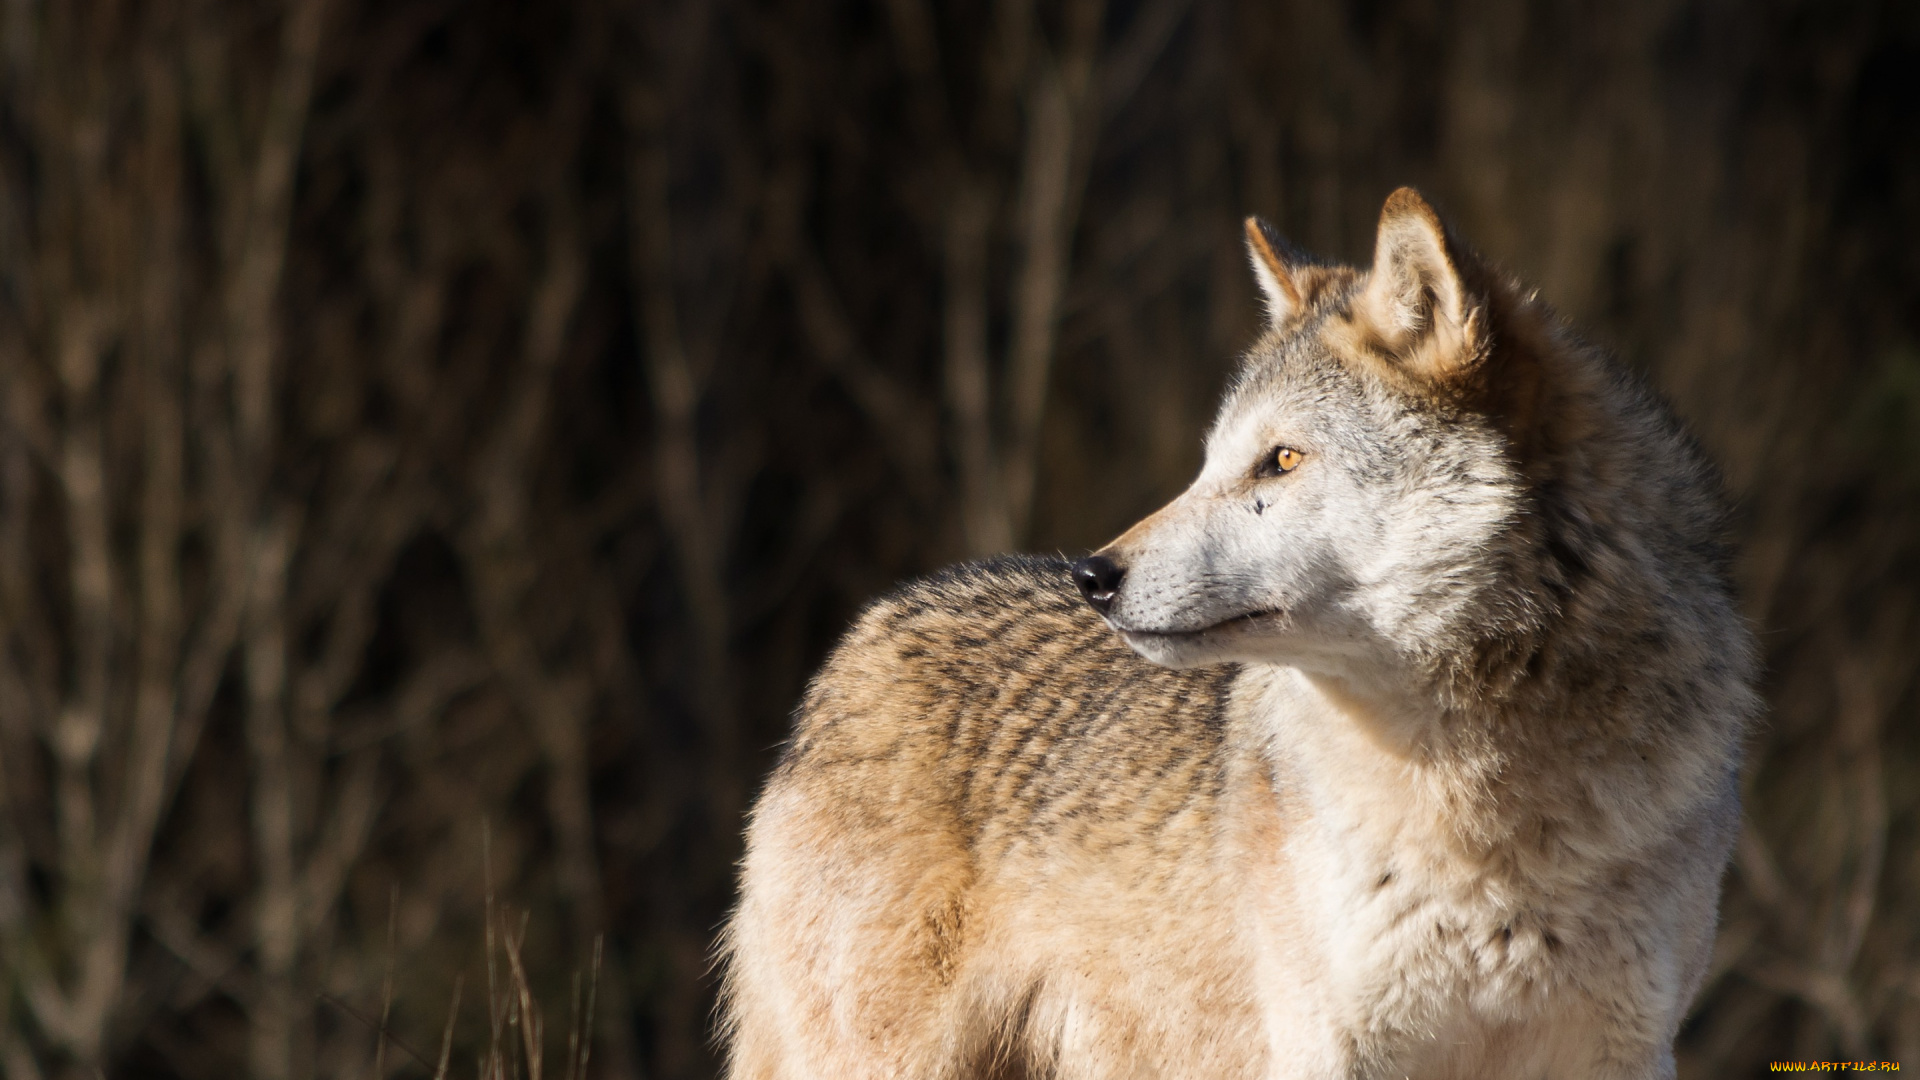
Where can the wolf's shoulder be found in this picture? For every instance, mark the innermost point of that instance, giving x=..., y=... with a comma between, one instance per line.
x=1007, y=592
x=974, y=628
x=963, y=632
x=999, y=664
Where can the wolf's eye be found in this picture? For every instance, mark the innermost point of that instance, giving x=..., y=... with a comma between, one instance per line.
x=1281, y=459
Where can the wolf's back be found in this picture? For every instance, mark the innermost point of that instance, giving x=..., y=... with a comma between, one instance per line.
x=1009, y=702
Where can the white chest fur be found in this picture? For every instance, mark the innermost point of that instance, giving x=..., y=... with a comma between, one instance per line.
x=1402, y=926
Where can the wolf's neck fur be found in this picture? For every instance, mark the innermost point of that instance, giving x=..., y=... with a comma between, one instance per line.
x=1394, y=783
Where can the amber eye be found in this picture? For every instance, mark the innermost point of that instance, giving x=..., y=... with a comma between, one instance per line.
x=1285, y=459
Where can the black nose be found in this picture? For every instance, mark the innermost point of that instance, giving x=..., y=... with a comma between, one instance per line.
x=1098, y=578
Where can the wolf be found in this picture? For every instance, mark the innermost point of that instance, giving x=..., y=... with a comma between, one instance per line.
x=1403, y=744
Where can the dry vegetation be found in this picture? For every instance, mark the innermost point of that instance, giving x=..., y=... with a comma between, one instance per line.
x=423, y=421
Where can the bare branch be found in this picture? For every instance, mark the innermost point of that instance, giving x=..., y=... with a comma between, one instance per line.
x=968, y=396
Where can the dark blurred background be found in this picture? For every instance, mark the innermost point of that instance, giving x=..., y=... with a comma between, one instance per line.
x=438, y=440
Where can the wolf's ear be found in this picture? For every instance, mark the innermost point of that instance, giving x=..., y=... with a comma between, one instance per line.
x=1274, y=263
x=1422, y=296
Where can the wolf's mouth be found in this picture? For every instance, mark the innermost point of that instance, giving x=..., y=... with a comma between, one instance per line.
x=1223, y=626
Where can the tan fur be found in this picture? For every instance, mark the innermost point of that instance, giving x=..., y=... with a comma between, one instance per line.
x=1437, y=780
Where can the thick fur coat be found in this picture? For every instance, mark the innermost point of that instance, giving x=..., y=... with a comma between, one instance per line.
x=1404, y=743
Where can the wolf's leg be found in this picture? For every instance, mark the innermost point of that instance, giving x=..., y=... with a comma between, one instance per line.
x=843, y=957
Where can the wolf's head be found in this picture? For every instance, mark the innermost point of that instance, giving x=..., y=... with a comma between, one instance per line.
x=1413, y=464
